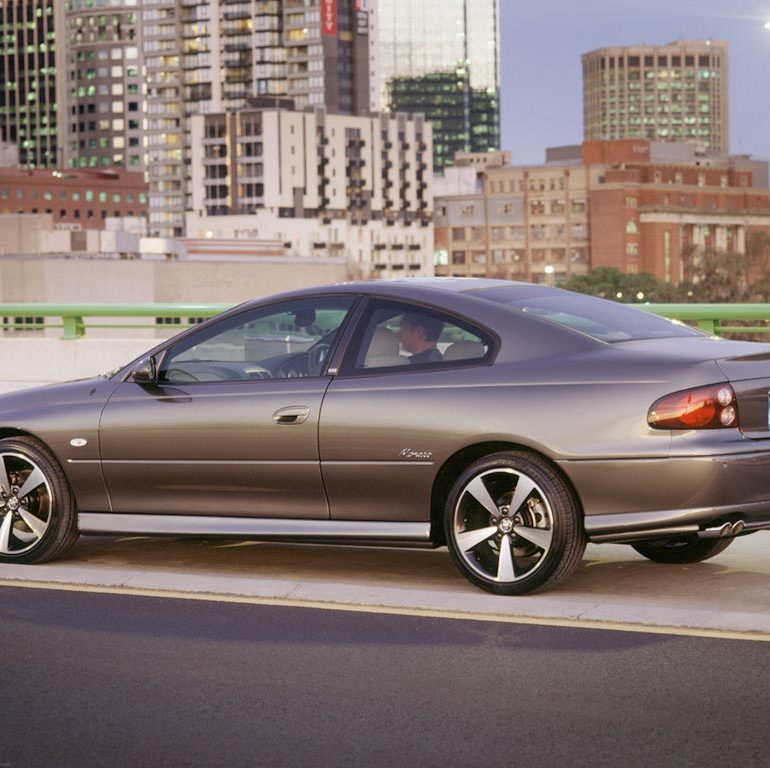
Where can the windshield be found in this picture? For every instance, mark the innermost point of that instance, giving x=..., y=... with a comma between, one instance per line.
x=601, y=319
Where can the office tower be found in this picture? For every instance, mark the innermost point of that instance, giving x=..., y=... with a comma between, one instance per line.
x=30, y=93
x=441, y=58
x=673, y=92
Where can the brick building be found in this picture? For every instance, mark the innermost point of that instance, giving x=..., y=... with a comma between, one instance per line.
x=633, y=204
x=77, y=198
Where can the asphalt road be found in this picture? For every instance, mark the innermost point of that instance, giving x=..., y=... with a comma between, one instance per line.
x=117, y=680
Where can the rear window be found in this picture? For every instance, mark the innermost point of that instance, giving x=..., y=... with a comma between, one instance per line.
x=601, y=319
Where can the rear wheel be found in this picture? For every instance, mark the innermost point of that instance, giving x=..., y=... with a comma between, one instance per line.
x=684, y=549
x=37, y=511
x=512, y=525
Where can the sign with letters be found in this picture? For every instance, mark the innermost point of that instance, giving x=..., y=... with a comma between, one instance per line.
x=329, y=17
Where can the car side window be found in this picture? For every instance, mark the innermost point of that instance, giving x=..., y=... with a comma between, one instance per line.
x=405, y=336
x=286, y=340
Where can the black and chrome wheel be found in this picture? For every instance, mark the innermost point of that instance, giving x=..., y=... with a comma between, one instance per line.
x=512, y=525
x=684, y=549
x=37, y=512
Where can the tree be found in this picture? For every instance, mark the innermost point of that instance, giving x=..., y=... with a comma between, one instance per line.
x=611, y=283
x=717, y=276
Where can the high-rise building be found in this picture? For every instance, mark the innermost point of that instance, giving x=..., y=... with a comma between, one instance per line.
x=104, y=86
x=673, y=92
x=138, y=71
x=30, y=87
x=441, y=58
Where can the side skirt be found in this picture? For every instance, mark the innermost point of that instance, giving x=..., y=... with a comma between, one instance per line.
x=411, y=534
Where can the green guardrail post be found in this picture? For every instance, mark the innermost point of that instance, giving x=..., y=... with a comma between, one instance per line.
x=74, y=327
x=709, y=326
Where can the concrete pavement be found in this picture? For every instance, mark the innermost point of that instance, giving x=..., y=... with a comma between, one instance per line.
x=729, y=595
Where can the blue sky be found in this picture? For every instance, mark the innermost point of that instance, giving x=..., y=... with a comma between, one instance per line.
x=542, y=41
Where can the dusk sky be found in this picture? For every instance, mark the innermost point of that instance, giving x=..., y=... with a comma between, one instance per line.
x=542, y=40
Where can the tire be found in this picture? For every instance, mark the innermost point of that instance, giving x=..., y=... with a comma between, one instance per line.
x=38, y=520
x=687, y=549
x=512, y=525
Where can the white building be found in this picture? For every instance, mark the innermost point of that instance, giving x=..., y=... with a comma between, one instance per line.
x=324, y=185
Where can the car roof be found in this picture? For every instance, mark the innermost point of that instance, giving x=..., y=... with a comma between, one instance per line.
x=419, y=287
x=451, y=284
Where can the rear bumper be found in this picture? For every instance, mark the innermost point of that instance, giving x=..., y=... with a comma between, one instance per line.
x=632, y=499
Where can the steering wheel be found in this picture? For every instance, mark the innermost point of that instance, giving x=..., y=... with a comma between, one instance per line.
x=316, y=357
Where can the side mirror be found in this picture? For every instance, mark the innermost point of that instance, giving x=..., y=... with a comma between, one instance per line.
x=145, y=373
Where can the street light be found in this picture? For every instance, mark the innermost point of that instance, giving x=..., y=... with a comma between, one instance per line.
x=548, y=269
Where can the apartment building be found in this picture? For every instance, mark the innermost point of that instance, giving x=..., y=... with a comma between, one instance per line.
x=137, y=71
x=323, y=184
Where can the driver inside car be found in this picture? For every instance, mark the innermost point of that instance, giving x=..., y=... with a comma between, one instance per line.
x=419, y=335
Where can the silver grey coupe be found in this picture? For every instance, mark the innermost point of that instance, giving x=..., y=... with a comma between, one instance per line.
x=510, y=422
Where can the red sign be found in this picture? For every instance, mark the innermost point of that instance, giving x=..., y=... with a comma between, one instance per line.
x=329, y=17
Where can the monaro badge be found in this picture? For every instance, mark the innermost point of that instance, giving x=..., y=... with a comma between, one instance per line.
x=410, y=453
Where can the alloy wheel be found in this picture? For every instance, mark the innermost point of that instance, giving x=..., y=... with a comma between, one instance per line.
x=503, y=525
x=25, y=504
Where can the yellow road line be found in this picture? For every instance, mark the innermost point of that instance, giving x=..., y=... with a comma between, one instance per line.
x=432, y=613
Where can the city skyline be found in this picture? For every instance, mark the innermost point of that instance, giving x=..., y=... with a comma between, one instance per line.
x=541, y=92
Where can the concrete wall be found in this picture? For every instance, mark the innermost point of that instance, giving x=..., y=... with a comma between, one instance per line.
x=108, y=281
x=28, y=362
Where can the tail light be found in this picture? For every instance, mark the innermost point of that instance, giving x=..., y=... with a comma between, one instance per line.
x=712, y=407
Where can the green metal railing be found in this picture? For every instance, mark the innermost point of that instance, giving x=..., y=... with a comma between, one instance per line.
x=716, y=319
x=74, y=319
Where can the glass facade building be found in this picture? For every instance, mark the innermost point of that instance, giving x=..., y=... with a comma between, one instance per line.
x=672, y=92
x=441, y=58
x=30, y=91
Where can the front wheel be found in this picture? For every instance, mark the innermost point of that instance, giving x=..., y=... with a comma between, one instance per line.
x=512, y=525
x=685, y=549
x=37, y=511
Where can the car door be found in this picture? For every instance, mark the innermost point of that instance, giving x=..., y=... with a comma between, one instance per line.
x=386, y=421
x=228, y=426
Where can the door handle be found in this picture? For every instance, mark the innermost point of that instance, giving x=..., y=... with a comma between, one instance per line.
x=292, y=414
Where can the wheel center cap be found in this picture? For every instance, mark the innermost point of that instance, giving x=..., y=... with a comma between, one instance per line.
x=13, y=503
x=505, y=525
